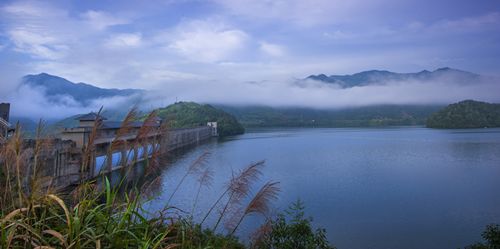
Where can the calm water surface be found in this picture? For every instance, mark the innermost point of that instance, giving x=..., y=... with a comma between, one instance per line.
x=405, y=187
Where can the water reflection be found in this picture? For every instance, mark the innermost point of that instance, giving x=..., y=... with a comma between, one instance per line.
x=370, y=188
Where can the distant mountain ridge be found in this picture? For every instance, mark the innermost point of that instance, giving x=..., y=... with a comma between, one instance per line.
x=56, y=87
x=374, y=77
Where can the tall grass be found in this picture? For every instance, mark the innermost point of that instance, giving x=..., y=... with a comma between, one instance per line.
x=34, y=215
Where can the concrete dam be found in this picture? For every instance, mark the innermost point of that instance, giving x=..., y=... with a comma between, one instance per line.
x=84, y=152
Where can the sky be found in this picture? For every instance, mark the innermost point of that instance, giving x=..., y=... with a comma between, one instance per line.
x=167, y=45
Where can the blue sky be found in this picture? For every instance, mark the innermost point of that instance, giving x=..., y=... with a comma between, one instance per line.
x=148, y=44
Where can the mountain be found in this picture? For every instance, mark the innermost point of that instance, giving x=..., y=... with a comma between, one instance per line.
x=466, y=114
x=370, y=116
x=56, y=87
x=374, y=77
x=190, y=114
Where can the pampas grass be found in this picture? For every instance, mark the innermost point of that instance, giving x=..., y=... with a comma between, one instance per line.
x=261, y=202
x=237, y=188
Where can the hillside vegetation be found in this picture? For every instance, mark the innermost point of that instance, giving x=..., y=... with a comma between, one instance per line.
x=190, y=114
x=371, y=116
x=466, y=114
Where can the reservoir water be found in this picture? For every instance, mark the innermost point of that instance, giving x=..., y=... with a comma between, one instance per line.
x=407, y=187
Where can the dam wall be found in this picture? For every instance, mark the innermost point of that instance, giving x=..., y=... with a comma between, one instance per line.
x=60, y=163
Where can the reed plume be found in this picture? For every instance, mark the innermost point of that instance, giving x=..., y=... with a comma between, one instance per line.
x=43, y=145
x=89, y=149
x=237, y=188
x=260, y=204
x=125, y=128
x=195, y=167
x=205, y=179
x=148, y=126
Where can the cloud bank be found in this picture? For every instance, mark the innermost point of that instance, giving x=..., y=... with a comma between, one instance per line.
x=321, y=95
x=33, y=102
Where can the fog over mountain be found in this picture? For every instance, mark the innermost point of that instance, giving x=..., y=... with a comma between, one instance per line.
x=51, y=97
x=57, y=89
x=375, y=77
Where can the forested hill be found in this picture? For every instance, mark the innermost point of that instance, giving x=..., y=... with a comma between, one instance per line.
x=189, y=114
x=370, y=116
x=466, y=114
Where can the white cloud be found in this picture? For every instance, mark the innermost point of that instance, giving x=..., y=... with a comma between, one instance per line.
x=272, y=49
x=32, y=9
x=416, y=32
x=31, y=28
x=101, y=20
x=303, y=13
x=37, y=44
x=207, y=41
x=286, y=94
x=124, y=40
x=33, y=103
x=468, y=24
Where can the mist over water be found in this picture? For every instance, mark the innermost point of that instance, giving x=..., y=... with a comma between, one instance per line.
x=33, y=102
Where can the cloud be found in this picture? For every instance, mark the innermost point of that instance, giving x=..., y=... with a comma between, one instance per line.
x=485, y=22
x=124, y=40
x=207, y=41
x=101, y=20
x=47, y=32
x=32, y=9
x=272, y=49
x=34, y=104
x=328, y=96
x=167, y=47
x=37, y=44
x=30, y=29
x=417, y=31
x=303, y=13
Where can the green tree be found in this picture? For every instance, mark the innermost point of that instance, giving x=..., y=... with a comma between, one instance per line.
x=466, y=114
x=492, y=237
x=291, y=230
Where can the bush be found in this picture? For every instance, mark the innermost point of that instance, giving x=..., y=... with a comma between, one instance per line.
x=492, y=236
x=291, y=230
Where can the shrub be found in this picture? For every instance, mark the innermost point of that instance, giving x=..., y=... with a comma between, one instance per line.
x=291, y=230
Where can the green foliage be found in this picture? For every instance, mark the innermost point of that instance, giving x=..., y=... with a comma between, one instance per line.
x=190, y=114
x=292, y=230
x=466, y=114
x=194, y=236
x=492, y=237
x=118, y=222
x=372, y=116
